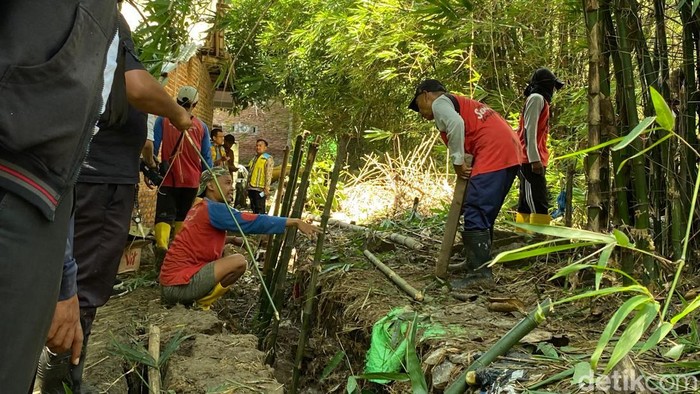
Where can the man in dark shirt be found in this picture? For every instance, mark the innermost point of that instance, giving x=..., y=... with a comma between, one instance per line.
x=105, y=195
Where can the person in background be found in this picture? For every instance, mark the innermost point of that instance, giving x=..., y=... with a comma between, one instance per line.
x=181, y=168
x=470, y=127
x=260, y=177
x=219, y=154
x=533, y=131
x=194, y=269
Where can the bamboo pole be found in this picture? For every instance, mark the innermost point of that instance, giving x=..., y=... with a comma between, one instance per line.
x=400, y=239
x=525, y=326
x=399, y=281
x=280, y=276
x=275, y=210
x=265, y=312
x=316, y=268
x=452, y=222
x=154, y=351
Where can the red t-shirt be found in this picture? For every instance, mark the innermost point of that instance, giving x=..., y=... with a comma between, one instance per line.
x=487, y=137
x=186, y=166
x=203, y=236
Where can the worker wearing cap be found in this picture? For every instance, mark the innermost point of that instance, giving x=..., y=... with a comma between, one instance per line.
x=194, y=269
x=469, y=127
x=533, y=204
x=182, y=166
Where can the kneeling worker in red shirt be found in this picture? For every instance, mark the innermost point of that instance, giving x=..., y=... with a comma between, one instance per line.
x=194, y=269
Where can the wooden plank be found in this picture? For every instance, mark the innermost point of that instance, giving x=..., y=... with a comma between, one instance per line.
x=451, y=226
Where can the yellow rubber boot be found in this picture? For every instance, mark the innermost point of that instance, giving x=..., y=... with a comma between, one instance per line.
x=522, y=218
x=540, y=218
x=208, y=300
x=162, y=234
x=178, y=227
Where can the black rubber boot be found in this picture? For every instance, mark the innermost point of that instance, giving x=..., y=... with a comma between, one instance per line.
x=477, y=250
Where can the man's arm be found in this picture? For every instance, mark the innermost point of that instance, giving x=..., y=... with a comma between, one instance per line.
x=533, y=107
x=147, y=95
x=157, y=135
x=65, y=332
x=449, y=121
x=269, y=168
x=206, y=148
x=250, y=223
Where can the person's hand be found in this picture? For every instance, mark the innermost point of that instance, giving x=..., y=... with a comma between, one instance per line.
x=266, y=191
x=463, y=170
x=183, y=120
x=306, y=228
x=65, y=332
x=537, y=168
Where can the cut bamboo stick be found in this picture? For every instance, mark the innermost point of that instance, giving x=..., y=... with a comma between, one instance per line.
x=154, y=351
x=399, y=281
x=396, y=238
x=453, y=216
x=525, y=326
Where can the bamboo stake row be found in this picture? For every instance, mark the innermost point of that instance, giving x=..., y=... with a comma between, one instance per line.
x=280, y=275
x=311, y=290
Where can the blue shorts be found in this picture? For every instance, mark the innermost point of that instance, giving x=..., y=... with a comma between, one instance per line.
x=484, y=197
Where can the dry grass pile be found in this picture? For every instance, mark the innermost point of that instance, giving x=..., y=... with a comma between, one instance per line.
x=387, y=185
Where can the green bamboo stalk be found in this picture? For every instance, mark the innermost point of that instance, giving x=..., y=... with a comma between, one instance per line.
x=620, y=178
x=316, y=268
x=591, y=15
x=525, y=326
x=280, y=276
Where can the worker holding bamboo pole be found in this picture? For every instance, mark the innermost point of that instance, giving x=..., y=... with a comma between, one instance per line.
x=194, y=269
x=470, y=127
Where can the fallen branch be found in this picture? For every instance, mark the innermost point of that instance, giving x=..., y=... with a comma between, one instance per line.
x=154, y=351
x=399, y=281
x=527, y=324
x=396, y=238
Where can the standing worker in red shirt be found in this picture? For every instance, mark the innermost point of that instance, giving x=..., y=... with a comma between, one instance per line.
x=181, y=178
x=470, y=127
x=533, y=204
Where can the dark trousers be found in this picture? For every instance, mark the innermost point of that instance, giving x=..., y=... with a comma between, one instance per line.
x=173, y=203
x=533, y=191
x=485, y=195
x=31, y=263
x=257, y=203
x=102, y=218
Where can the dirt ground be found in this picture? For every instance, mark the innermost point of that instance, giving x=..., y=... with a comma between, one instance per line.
x=221, y=355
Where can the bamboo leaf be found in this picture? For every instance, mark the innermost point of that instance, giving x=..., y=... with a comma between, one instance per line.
x=691, y=307
x=566, y=232
x=695, y=6
x=664, y=116
x=413, y=366
x=570, y=269
x=351, y=387
x=621, y=238
x=602, y=263
x=658, y=335
x=548, y=350
x=675, y=352
x=534, y=250
x=614, y=323
x=643, y=151
x=333, y=364
x=632, y=333
x=555, y=378
x=583, y=373
x=395, y=376
x=585, y=151
x=604, y=292
x=636, y=132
